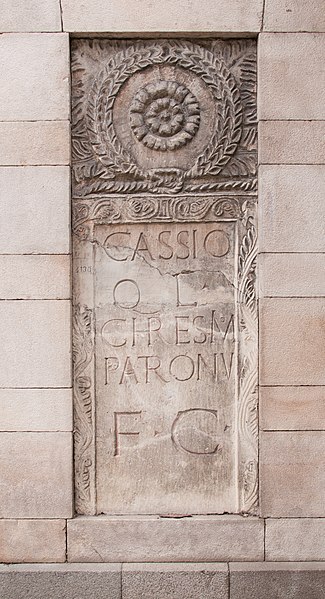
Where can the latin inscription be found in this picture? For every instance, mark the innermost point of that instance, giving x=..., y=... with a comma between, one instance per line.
x=166, y=356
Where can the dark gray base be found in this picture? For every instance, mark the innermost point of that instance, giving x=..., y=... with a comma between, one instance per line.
x=164, y=581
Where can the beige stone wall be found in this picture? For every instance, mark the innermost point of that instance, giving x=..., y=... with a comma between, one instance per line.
x=36, y=489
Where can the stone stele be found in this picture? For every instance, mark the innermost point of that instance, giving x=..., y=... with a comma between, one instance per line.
x=165, y=323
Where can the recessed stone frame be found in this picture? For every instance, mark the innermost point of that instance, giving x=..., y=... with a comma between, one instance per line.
x=203, y=190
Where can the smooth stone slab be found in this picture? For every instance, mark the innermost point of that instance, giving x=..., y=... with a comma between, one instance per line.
x=291, y=76
x=292, y=341
x=82, y=581
x=267, y=581
x=30, y=541
x=154, y=539
x=34, y=71
x=294, y=15
x=166, y=383
x=128, y=16
x=292, y=478
x=292, y=275
x=35, y=143
x=35, y=15
x=291, y=142
x=35, y=347
x=292, y=408
x=292, y=208
x=35, y=277
x=175, y=581
x=29, y=191
x=38, y=466
x=35, y=410
x=293, y=539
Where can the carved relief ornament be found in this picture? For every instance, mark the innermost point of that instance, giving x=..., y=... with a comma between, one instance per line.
x=139, y=116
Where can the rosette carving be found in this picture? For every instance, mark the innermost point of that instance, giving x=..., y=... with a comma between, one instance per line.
x=164, y=115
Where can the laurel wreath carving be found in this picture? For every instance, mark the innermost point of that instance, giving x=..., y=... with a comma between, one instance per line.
x=108, y=149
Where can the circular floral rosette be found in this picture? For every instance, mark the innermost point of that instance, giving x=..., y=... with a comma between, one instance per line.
x=164, y=115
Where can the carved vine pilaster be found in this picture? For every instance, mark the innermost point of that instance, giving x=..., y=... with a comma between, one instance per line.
x=83, y=355
x=248, y=362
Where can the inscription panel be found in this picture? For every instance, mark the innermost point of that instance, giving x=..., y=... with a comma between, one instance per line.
x=166, y=358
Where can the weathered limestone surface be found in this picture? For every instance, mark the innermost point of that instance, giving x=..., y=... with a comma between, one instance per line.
x=27, y=192
x=125, y=16
x=292, y=479
x=35, y=143
x=292, y=275
x=292, y=408
x=294, y=15
x=29, y=541
x=35, y=277
x=35, y=77
x=291, y=142
x=267, y=581
x=80, y=581
x=35, y=15
x=36, y=477
x=291, y=208
x=292, y=341
x=154, y=539
x=35, y=410
x=35, y=343
x=291, y=76
x=300, y=539
x=163, y=423
x=177, y=581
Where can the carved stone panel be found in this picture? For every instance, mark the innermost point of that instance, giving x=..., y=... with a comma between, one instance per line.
x=163, y=117
x=165, y=321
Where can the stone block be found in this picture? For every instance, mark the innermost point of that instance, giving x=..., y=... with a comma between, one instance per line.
x=295, y=539
x=175, y=581
x=292, y=478
x=35, y=277
x=132, y=16
x=82, y=581
x=36, y=475
x=35, y=15
x=294, y=15
x=283, y=581
x=292, y=408
x=158, y=539
x=35, y=410
x=35, y=143
x=34, y=72
x=35, y=205
x=30, y=541
x=292, y=275
x=291, y=76
x=292, y=210
x=35, y=343
x=292, y=341
x=292, y=142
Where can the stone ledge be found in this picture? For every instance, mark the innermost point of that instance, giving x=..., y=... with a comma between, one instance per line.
x=155, y=539
x=95, y=581
x=251, y=580
x=269, y=580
